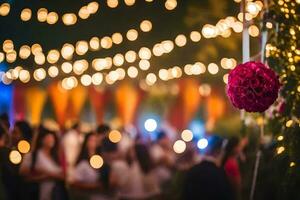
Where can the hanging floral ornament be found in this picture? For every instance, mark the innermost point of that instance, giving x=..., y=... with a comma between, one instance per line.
x=252, y=86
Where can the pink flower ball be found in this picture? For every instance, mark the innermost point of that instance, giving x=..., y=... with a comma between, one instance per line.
x=252, y=86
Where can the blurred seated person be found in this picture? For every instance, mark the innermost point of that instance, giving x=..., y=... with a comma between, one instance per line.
x=207, y=180
x=43, y=165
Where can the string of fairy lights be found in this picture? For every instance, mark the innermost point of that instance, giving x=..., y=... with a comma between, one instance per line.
x=222, y=28
x=71, y=18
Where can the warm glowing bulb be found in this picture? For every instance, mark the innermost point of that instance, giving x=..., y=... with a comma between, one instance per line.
x=213, y=68
x=112, y=3
x=4, y=9
x=94, y=43
x=96, y=161
x=171, y=4
x=106, y=42
x=144, y=65
x=187, y=135
x=23, y=146
x=97, y=78
x=146, y=26
x=83, y=12
x=42, y=14
x=15, y=157
x=24, y=51
x=81, y=47
x=179, y=146
x=180, y=40
x=67, y=51
x=195, y=36
x=132, y=72
x=132, y=35
x=53, y=56
x=117, y=38
x=69, y=19
x=145, y=53
x=66, y=67
x=53, y=71
x=26, y=14
x=118, y=60
x=115, y=136
x=52, y=18
x=86, y=80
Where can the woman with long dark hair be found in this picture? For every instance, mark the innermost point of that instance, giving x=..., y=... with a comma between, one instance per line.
x=88, y=182
x=231, y=164
x=44, y=166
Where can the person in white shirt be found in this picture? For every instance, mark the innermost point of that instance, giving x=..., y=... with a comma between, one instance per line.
x=88, y=182
x=43, y=165
x=71, y=144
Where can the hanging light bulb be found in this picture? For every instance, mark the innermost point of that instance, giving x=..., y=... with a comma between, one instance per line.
x=52, y=18
x=81, y=47
x=4, y=9
x=83, y=12
x=42, y=14
x=146, y=26
x=67, y=51
x=94, y=43
x=53, y=56
x=24, y=51
x=69, y=19
x=117, y=38
x=26, y=14
x=132, y=35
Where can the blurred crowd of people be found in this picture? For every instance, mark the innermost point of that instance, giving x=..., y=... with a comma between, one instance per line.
x=74, y=165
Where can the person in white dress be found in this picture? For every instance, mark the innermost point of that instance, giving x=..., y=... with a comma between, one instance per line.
x=43, y=165
x=71, y=144
x=136, y=179
x=88, y=182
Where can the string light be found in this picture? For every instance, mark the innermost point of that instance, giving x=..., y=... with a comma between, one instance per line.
x=23, y=146
x=66, y=67
x=53, y=71
x=132, y=72
x=187, y=135
x=117, y=38
x=112, y=3
x=15, y=157
x=146, y=26
x=144, y=65
x=180, y=40
x=129, y=2
x=69, y=19
x=94, y=43
x=213, y=68
x=151, y=79
x=179, y=146
x=195, y=36
x=81, y=47
x=42, y=14
x=4, y=9
x=145, y=53
x=86, y=80
x=97, y=78
x=96, y=161
x=171, y=4
x=26, y=14
x=132, y=35
x=52, y=18
x=24, y=52
x=115, y=136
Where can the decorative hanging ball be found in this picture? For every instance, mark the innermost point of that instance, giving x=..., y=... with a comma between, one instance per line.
x=252, y=86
